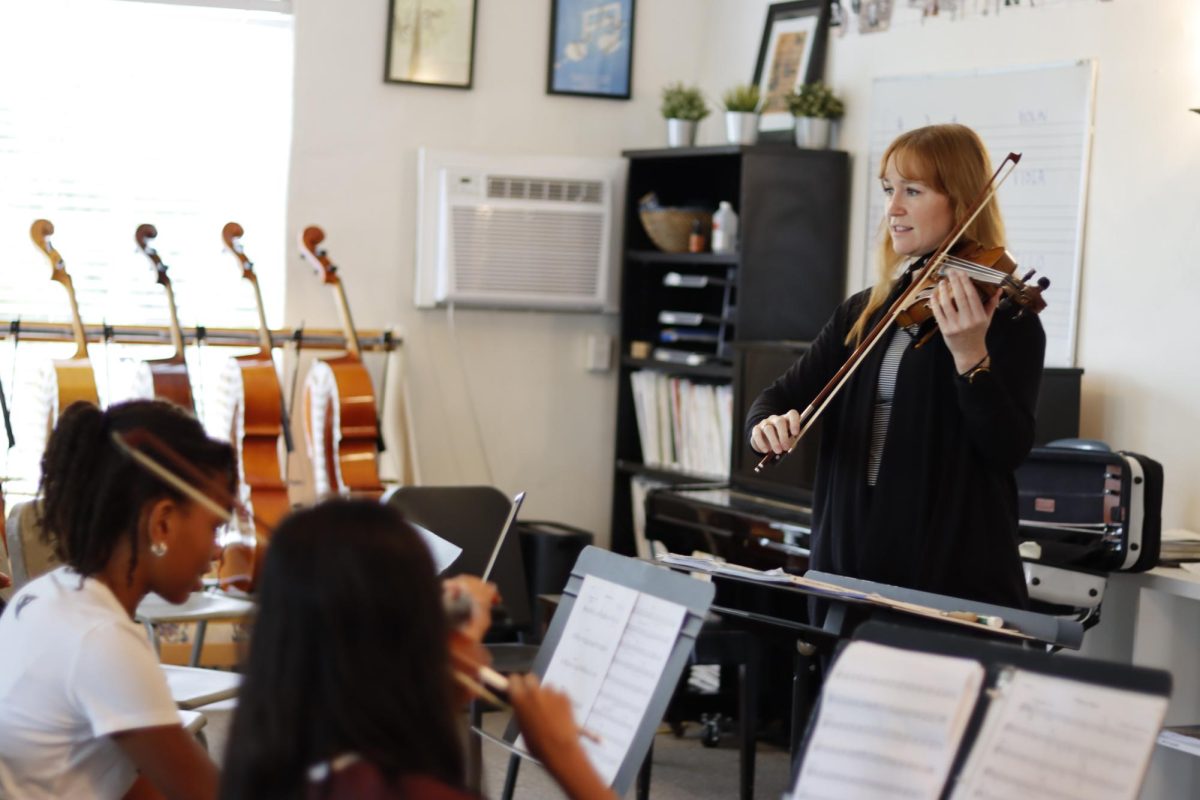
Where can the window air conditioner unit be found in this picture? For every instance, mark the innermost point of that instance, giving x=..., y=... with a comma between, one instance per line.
x=529, y=232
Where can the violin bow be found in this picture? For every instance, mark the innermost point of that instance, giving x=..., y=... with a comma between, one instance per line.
x=819, y=403
x=198, y=487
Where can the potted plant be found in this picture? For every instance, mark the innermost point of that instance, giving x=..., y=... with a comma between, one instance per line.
x=741, y=114
x=815, y=108
x=682, y=106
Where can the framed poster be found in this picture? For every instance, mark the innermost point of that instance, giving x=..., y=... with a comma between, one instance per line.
x=591, y=48
x=792, y=52
x=431, y=42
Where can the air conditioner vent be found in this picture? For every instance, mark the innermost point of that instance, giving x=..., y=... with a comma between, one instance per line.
x=518, y=253
x=509, y=187
x=512, y=231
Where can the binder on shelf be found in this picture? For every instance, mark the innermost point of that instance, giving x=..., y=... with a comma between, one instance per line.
x=690, y=318
x=681, y=281
x=692, y=335
x=672, y=356
x=617, y=644
x=925, y=714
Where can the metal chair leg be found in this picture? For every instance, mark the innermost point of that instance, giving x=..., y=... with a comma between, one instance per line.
x=643, y=779
x=748, y=674
x=198, y=643
x=475, y=748
x=510, y=777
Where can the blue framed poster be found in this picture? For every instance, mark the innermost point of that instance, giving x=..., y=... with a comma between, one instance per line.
x=591, y=48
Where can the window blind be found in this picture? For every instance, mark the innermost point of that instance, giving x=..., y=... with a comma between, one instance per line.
x=117, y=113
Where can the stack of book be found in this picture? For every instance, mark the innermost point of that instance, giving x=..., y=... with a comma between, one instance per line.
x=682, y=424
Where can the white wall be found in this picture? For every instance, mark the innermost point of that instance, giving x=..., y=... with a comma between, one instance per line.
x=1140, y=297
x=544, y=424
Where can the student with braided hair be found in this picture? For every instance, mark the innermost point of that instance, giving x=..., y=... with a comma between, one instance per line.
x=84, y=704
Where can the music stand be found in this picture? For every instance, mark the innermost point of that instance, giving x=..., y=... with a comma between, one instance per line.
x=694, y=595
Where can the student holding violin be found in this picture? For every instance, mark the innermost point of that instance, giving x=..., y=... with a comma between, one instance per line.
x=915, y=482
x=84, y=703
x=353, y=679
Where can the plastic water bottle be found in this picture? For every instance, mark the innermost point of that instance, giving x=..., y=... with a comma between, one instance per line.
x=724, y=229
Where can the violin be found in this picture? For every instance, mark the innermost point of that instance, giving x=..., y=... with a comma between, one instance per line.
x=169, y=375
x=991, y=270
x=340, y=422
x=257, y=422
x=954, y=252
x=73, y=377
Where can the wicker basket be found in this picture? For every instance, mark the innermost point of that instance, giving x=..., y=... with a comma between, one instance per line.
x=669, y=228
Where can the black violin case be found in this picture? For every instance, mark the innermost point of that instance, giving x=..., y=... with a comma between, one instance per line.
x=1091, y=508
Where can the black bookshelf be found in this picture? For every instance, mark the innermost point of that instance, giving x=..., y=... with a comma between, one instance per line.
x=784, y=281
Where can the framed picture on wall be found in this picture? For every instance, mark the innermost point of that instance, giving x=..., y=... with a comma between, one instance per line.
x=591, y=48
x=792, y=52
x=431, y=42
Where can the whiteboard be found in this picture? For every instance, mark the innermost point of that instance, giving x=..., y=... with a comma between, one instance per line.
x=1042, y=112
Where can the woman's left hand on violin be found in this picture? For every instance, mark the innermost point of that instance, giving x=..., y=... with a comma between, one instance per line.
x=963, y=318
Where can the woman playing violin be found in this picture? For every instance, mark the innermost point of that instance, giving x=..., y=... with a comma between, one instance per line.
x=915, y=482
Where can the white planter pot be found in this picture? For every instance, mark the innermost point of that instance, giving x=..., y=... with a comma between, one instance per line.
x=681, y=133
x=813, y=133
x=741, y=127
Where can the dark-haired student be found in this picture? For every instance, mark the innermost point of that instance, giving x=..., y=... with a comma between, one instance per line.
x=348, y=688
x=85, y=710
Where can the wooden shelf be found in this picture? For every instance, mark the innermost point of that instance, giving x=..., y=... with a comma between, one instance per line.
x=685, y=259
x=670, y=474
x=782, y=147
x=690, y=370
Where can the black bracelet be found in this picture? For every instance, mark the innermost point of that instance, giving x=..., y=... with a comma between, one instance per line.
x=978, y=369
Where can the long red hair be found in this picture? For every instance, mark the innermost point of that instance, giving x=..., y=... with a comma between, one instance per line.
x=952, y=160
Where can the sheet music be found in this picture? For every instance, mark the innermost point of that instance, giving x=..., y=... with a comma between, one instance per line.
x=889, y=726
x=1050, y=737
x=609, y=660
x=589, y=642
x=632, y=678
x=444, y=553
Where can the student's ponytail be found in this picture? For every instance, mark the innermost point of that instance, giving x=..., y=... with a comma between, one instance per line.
x=92, y=494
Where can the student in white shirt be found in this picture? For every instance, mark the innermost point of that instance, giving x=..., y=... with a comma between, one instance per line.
x=84, y=706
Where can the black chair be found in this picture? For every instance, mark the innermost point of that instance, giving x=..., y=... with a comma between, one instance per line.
x=471, y=517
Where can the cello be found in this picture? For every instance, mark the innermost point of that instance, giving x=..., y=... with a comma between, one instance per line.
x=340, y=422
x=73, y=377
x=169, y=375
x=258, y=420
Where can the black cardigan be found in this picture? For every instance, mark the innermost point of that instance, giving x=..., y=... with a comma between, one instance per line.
x=942, y=516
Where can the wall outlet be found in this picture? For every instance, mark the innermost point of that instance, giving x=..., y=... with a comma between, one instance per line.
x=598, y=357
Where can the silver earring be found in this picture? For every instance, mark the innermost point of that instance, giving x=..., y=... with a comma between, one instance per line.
x=158, y=549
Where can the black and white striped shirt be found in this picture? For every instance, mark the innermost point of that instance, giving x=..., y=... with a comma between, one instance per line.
x=884, y=391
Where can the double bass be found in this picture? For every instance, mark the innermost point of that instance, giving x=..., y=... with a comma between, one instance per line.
x=169, y=375
x=257, y=422
x=340, y=421
x=73, y=377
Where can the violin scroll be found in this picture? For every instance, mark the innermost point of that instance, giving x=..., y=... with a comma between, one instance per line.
x=144, y=235
x=232, y=235
x=40, y=231
x=310, y=249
